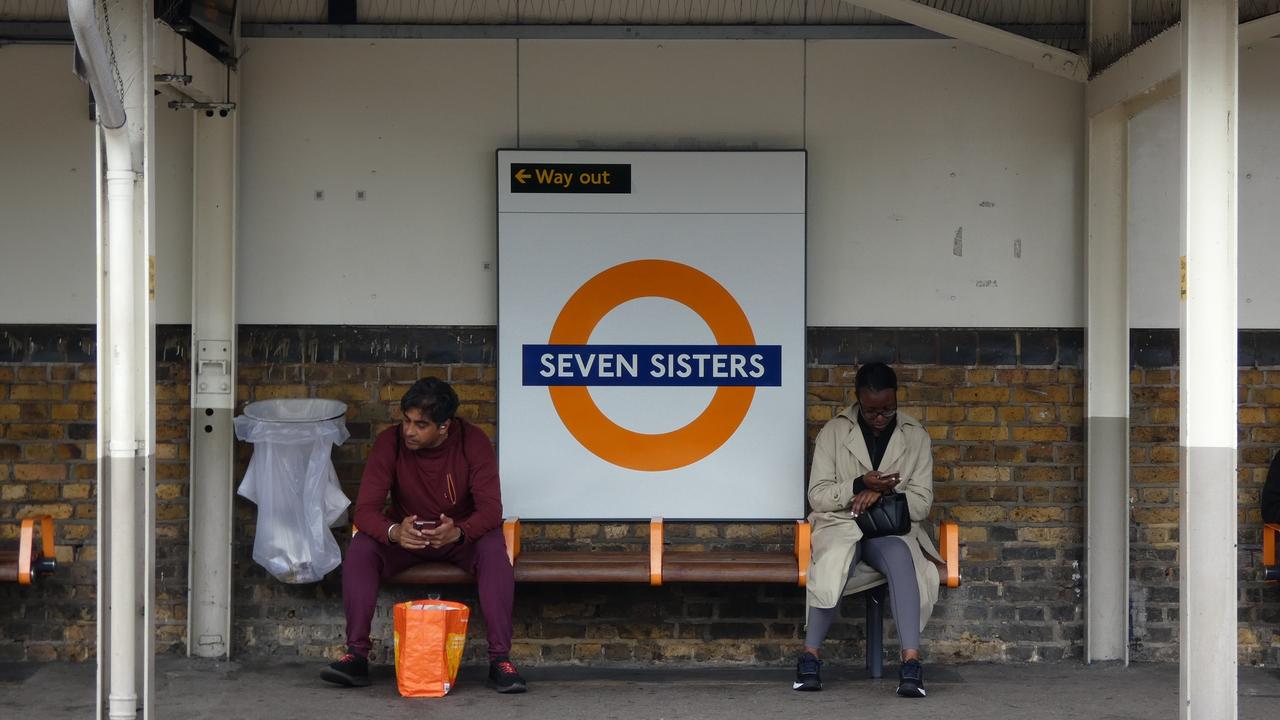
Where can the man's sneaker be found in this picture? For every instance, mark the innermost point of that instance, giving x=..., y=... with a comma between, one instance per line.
x=352, y=671
x=807, y=677
x=911, y=679
x=505, y=677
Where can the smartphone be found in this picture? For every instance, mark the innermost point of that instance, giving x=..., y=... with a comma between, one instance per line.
x=421, y=525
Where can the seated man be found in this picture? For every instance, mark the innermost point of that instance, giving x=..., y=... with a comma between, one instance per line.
x=446, y=504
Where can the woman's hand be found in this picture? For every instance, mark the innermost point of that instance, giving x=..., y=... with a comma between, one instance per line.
x=880, y=482
x=863, y=500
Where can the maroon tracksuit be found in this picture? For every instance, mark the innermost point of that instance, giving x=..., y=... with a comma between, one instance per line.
x=458, y=479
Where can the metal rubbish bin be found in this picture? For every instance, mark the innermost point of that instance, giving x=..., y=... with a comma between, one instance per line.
x=292, y=481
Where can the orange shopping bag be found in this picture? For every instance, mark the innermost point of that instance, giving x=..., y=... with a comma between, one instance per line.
x=429, y=637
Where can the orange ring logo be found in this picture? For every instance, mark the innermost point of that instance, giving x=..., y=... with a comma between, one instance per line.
x=691, y=288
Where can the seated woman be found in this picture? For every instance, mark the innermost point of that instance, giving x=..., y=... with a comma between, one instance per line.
x=870, y=450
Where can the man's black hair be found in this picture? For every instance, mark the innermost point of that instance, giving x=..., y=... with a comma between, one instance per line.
x=433, y=397
x=875, y=377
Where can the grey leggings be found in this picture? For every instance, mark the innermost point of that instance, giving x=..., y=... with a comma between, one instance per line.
x=892, y=558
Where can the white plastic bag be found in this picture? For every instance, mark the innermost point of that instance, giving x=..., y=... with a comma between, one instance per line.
x=292, y=481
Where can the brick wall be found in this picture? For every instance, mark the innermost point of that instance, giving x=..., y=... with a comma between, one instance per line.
x=1004, y=409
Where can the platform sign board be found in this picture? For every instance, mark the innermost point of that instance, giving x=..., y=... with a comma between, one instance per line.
x=651, y=328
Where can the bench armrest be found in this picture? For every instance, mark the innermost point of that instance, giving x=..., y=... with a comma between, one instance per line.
x=803, y=550
x=29, y=563
x=511, y=534
x=949, y=542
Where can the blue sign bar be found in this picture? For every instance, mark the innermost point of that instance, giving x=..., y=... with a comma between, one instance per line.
x=653, y=365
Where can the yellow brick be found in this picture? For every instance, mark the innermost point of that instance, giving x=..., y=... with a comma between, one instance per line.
x=13, y=492
x=936, y=432
x=1024, y=514
x=977, y=513
x=982, y=474
x=971, y=534
x=1156, y=516
x=1042, y=394
x=820, y=412
x=76, y=491
x=944, y=414
x=60, y=511
x=83, y=392
x=474, y=392
x=942, y=376
x=970, y=432
x=1041, y=413
x=42, y=493
x=10, y=412
x=981, y=395
x=1013, y=414
x=1040, y=434
x=1048, y=535
x=982, y=414
x=268, y=392
x=27, y=473
x=35, y=392
x=168, y=491
x=66, y=411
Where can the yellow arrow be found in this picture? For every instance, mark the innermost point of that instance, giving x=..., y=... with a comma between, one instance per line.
x=522, y=176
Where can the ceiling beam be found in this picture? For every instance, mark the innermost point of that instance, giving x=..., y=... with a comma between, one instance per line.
x=1147, y=68
x=1255, y=31
x=1041, y=56
x=1137, y=73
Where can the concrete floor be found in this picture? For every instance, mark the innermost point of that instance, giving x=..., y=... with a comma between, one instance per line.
x=279, y=691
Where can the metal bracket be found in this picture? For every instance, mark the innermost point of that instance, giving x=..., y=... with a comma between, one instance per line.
x=222, y=108
x=213, y=373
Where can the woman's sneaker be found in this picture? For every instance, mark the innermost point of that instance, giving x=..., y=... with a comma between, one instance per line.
x=807, y=669
x=352, y=671
x=911, y=679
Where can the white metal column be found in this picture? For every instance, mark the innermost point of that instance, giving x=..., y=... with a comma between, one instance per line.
x=1207, y=410
x=213, y=395
x=126, y=371
x=1107, y=403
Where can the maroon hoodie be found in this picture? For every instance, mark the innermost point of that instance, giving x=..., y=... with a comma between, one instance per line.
x=458, y=479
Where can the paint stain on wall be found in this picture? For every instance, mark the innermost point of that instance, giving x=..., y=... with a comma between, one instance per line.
x=957, y=245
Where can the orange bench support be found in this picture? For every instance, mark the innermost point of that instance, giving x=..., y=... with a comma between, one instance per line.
x=25, y=564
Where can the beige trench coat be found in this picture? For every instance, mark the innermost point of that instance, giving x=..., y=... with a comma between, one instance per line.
x=840, y=456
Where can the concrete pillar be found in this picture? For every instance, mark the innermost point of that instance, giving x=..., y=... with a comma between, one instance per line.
x=1107, y=402
x=1209, y=381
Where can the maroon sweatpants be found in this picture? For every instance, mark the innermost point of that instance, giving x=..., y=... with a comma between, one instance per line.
x=369, y=562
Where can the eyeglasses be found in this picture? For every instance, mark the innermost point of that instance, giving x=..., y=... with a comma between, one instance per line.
x=886, y=414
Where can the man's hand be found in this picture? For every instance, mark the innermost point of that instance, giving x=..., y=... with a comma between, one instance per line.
x=880, y=482
x=863, y=500
x=403, y=534
x=446, y=533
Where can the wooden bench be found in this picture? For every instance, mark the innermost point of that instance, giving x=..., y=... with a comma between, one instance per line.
x=657, y=566
x=25, y=563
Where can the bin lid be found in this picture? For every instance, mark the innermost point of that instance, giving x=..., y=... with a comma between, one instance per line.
x=296, y=410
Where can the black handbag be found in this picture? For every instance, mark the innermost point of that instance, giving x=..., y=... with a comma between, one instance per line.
x=888, y=516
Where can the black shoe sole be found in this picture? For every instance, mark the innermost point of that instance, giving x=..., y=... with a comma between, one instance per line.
x=513, y=689
x=911, y=692
x=807, y=686
x=341, y=678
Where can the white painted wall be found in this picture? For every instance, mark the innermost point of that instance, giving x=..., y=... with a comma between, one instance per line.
x=414, y=125
x=914, y=144
x=47, y=254
x=1154, y=188
x=908, y=142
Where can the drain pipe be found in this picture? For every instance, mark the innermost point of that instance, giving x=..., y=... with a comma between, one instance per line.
x=121, y=434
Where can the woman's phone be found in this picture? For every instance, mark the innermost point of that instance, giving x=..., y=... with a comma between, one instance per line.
x=421, y=525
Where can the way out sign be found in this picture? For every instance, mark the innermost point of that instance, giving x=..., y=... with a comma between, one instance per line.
x=570, y=178
x=651, y=334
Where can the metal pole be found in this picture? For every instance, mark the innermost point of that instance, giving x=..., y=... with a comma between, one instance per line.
x=1107, y=381
x=1209, y=380
x=213, y=397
